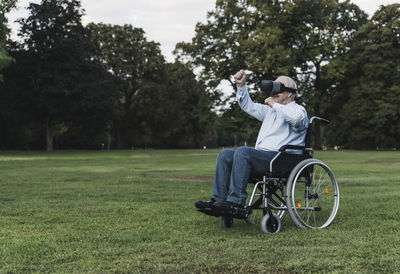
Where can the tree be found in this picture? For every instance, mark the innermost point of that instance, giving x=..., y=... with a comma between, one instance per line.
x=134, y=61
x=370, y=116
x=60, y=64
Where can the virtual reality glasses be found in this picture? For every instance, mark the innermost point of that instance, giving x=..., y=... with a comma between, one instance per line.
x=273, y=87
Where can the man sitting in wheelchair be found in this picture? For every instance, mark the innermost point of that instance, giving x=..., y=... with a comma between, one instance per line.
x=284, y=122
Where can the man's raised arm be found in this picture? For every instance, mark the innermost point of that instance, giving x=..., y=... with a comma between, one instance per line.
x=256, y=110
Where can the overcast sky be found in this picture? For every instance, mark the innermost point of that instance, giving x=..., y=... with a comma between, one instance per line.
x=165, y=21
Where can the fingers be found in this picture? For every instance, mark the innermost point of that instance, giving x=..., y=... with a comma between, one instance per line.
x=240, y=78
x=239, y=75
x=269, y=101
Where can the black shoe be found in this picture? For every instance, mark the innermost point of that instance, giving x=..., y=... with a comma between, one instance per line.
x=210, y=208
x=233, y=210
x=202, y=205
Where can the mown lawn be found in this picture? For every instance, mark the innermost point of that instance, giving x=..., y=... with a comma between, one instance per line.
x=133, y=211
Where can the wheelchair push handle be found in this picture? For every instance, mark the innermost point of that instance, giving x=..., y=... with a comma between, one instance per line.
x=319, y=119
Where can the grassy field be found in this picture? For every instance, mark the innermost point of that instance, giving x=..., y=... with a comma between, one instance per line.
x=133, y=211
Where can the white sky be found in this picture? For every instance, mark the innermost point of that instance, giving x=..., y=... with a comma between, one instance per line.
x=164, y=21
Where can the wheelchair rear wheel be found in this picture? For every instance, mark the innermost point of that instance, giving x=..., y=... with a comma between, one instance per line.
x=312, y=194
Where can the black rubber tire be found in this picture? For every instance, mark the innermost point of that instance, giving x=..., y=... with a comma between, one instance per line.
x=271, y=224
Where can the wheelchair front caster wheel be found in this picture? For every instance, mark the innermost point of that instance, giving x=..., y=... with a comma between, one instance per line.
x=226, y=221
x=271, y=224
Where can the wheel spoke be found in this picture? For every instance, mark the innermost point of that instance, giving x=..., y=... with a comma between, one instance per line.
x=317, y=186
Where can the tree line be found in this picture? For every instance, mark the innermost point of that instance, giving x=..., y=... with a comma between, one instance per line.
x=65, y=85
x=75, y=86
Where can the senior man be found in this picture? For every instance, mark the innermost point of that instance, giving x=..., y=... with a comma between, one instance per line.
x=284, y=122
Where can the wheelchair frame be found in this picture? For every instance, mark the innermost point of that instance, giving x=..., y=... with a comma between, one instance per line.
x=311, y=196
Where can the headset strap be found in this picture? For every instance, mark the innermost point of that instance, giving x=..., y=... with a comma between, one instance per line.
x=292, y=90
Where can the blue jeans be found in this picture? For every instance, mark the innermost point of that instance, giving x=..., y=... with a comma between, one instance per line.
x=234, y=169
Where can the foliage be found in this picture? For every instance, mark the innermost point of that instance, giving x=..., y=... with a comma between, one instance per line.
x=134, y=61
x=133, y=211
x=151, y=93
x=177, y=112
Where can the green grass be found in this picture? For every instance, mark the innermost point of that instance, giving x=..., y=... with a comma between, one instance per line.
x=133, y=211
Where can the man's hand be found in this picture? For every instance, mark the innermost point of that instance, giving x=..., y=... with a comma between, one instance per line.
x=240, y=78
x=269, y=101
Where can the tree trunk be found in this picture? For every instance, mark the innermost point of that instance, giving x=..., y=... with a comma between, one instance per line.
x=108, y=140
x=49, y=137
x=118, y=136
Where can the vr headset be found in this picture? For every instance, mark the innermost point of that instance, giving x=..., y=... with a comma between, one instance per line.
x=273, y=87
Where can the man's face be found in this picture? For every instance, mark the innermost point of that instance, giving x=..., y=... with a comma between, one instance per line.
x=282, y=98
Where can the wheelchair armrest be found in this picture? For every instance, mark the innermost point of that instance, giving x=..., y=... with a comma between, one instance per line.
x=286, y=147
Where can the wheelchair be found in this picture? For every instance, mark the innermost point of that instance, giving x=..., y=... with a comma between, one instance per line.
x=297, y=184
